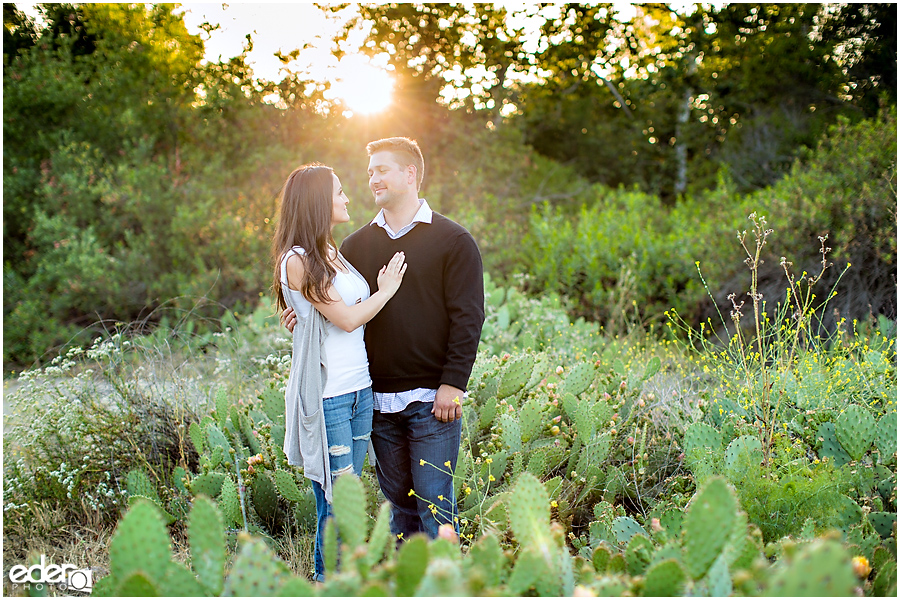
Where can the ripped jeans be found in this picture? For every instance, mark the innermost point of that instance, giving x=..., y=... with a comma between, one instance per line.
x=348, y=425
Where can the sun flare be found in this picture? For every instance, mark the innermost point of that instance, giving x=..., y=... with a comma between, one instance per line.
x=362, y=86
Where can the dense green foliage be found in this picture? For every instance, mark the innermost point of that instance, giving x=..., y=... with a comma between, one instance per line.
x=140, y=184
x=603, y=455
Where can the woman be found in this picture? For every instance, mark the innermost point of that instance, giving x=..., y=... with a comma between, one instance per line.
x=328, y=401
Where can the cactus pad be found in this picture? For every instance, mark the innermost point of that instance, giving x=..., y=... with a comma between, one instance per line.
x=578, y=380
x=137, y=584
x=198, y=437
x=665, y=578
x=272, y=403
x=530, y=420
x=287, y=486
x=215, y=437
x=221, y=407
x=883, y=522
x=743, y=452
x=855, y=430
x=701, y=435
x=487, y=556
x=638, y=553
x=140, y=543
x=652, y=367
x=208, y=484
x=138, y=484
x=624, y=528
x=265, y=496
x=830, y=446
x=349, y=505
x=821, y=568
x=512, y=432
x=412, y=560
x=885, y=584
x=381, y=536
x=529, y=511
x=581, y=415
x=230, y=503
x=886, y=436
x=849, y=513
x=256, y=571
x=516, y=374
x=168, y=517
x=708, y=524
x=207, y=539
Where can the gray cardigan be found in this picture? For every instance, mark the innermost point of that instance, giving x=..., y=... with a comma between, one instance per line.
x=305, y=442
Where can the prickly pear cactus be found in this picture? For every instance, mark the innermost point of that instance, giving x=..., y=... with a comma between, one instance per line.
x=581, y=415
x=578, y=380
x=516, y=374
x=701, y=435
x=198, y=437
x=529, y=511
x=830, y=447
x=443, y=578
x=137, y=584
x=530, y=420
x=265, y=496
x=665, y=578
x=138, y=484
x=820, y=568
x=221, y=407
x=743, y=452
x=849, y=513
x=652, y=367
x=287, y=486
x=230, y=503
x=485, y=559
x=412, y=561
x=140, y=543
x=208, y=484
x=512, y=431
x=349, y=505
x=215, y=437
x=168, y=517
x=256, y=572
x=207, y=540
x=624, y=528
x=855, y=430
x=638, y=554
x=272, y=403
x=885, y=584
x=886, y=436
x=708, y=524
x=883, y=522
x=380, y=540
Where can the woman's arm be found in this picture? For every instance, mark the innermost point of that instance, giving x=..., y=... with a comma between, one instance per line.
x=347, y=317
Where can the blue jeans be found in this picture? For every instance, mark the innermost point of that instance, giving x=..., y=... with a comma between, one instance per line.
x=411, y=450
x=348, y=424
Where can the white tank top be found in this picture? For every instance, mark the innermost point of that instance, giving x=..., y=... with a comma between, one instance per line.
x=348, y=365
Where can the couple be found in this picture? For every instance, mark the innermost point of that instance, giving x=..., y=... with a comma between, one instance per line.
x=396, y=389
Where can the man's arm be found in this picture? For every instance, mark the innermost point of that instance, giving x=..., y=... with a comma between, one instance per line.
x=464, y=299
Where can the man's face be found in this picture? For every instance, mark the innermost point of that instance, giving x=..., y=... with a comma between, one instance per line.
x=390, y=181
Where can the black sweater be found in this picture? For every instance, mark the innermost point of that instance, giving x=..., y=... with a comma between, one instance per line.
x=428, y=333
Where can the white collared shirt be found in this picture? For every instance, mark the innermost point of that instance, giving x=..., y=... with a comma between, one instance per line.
x=423, y=215
x=396, y=402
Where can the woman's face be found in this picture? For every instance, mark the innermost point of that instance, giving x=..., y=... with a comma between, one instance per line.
x=339, y=212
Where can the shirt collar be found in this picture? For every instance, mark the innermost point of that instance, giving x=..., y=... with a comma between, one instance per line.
x=423, y=215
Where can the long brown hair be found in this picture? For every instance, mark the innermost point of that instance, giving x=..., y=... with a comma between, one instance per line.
x=305, y=221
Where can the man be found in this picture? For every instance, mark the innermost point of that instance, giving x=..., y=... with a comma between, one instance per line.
x=422, y=344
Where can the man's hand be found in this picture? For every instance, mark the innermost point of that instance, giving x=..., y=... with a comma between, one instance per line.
x=447, y=403
x=289, y=319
